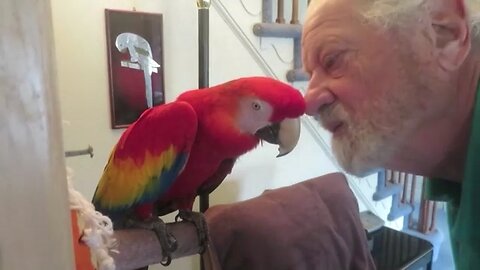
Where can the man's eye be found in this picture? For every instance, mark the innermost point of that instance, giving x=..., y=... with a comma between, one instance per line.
x=330, y=61
x=333, y=62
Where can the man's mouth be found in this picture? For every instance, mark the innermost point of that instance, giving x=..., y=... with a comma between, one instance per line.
x=333, y=126
x=337, y=128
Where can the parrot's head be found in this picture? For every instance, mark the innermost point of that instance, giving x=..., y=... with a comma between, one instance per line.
x=261, y=108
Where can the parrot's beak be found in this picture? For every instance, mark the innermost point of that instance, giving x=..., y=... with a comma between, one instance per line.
x=285, y=134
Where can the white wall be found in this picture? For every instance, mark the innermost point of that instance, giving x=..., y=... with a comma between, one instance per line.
x=83, y=85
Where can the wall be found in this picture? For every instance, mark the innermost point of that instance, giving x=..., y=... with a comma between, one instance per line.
x=82, y=81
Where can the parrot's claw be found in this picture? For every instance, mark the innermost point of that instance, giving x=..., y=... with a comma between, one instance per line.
x=167, y=241
x=200, y=223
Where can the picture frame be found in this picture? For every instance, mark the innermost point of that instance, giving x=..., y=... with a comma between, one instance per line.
x=135, y=64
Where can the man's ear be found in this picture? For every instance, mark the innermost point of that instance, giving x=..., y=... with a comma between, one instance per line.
x=451, y=32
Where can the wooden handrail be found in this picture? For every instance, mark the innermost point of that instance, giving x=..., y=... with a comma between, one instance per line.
x=405, y=187
x=280, y=12
x=412, y=199
x=433, y=218
x=294, y=12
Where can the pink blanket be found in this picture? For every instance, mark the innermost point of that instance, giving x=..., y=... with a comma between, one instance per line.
x=311, y=225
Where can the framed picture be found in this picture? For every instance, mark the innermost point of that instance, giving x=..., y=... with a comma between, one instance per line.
x=135, y=64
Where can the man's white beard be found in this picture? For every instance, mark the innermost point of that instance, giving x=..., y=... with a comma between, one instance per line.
x=366, y=145
x=362, y=153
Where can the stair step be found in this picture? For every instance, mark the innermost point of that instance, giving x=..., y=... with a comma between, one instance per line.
x=385, y=192
x=401, y=210
x=277, y=30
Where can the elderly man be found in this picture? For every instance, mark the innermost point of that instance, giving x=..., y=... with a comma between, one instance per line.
x=395, y=82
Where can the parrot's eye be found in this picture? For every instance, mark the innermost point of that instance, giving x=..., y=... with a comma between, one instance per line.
x=256, y=106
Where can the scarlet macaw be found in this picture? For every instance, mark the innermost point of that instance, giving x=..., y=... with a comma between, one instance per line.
x=181, y=149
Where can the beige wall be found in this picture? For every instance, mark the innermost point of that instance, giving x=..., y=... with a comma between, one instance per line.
x=82, y=81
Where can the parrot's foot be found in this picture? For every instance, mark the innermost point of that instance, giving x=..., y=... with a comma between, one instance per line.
x=200, y=223
x=166, y=239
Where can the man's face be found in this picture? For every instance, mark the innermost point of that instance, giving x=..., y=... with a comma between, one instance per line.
x=363, y=88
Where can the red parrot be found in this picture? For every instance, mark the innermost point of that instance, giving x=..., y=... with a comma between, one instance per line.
x=184, y=148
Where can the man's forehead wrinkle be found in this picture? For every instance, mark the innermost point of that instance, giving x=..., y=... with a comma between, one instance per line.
x=321, y=18
x=318, y=9
x=327, y=11
x=324, y=21
x=319, y=31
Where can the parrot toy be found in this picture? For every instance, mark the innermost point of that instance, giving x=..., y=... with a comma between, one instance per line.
x=176, y=151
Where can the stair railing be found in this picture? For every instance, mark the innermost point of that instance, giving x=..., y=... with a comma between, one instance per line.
x=280, y=29
x=403, y=188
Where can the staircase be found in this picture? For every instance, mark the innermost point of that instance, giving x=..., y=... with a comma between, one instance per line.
x=406, y=193
x=414, y=215
x=279, y=29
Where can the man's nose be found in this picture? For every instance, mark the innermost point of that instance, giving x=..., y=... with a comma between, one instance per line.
x=317, y=97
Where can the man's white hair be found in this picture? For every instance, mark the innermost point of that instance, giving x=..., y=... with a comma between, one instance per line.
x=403, y=12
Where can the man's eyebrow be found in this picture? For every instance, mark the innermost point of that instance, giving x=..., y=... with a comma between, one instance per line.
x=312, y=51
x=307, y=57
x=325, y=42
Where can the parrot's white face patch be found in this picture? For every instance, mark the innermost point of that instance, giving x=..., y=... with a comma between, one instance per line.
x=253, y=114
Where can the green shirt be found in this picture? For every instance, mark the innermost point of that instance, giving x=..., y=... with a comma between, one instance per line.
x=463, y=201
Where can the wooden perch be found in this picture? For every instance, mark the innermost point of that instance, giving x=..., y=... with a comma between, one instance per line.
x=137, y=248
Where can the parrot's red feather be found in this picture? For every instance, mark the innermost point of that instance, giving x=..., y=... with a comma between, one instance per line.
x=147, y=159
x=199, y=131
